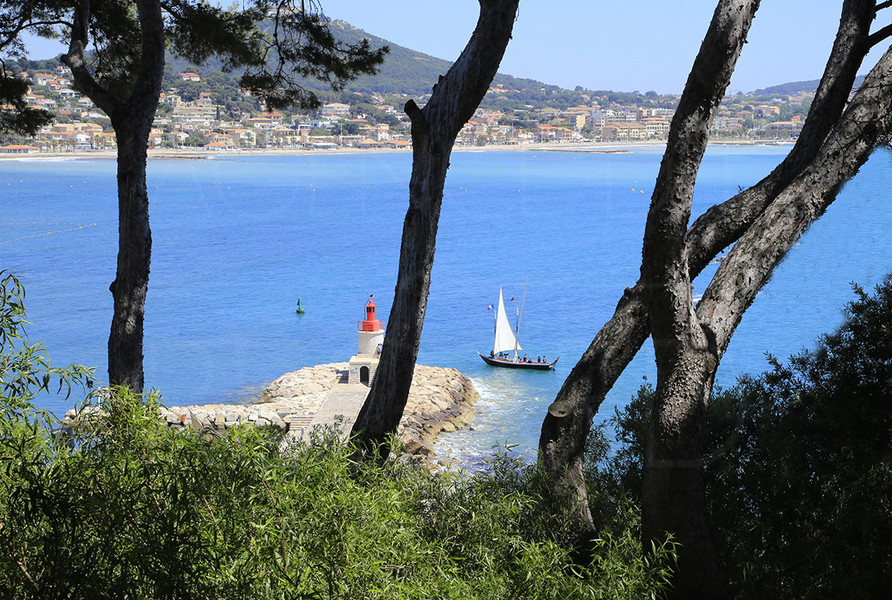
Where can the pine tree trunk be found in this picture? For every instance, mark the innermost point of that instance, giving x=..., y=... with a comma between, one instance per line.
x=569, y=419
x=131, y=118
x=434, y=128
x=672, y=469
x=132, y=121
x=673, y=495
x=125, y=342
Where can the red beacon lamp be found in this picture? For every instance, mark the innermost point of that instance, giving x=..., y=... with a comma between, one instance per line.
x=371, y=339
x=370, y=323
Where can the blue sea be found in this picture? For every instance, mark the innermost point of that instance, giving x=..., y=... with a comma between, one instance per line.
x=237, y=239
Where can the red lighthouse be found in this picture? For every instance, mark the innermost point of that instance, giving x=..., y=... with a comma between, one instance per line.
x=370, y=323
x=371, y=338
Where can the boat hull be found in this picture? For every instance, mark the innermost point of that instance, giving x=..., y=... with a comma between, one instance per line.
x=510, y=364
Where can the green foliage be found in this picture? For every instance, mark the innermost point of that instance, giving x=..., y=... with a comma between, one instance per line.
x=276, y=46
x=121, y=506
x=25, y=369
x=798, y=464
x=129, y=508
x=15, y=115
x=299, y=44
x=520, y=123
x=349, y=128
x=196, y=138
x=802, y=465
x=500, y=524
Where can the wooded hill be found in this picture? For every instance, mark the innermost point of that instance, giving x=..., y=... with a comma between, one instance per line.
x=406, y=72
x=409, y=73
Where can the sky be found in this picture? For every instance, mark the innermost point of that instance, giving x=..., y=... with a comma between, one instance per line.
x=631, y=45
x=608, y=44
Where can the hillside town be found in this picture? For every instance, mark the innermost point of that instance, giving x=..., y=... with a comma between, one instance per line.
x=201, y=119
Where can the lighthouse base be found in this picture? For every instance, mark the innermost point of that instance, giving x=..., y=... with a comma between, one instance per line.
x=362, y=369
x=370, y=342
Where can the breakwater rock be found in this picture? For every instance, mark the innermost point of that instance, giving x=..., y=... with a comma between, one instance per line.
x=440, y=399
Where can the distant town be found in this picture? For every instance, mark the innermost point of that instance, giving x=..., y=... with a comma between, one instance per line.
x=194, y=114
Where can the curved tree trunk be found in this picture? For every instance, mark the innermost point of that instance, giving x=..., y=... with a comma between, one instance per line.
x=723, y=224
x=569, y=418
x=131, y=119
x=765, y=221
x=865, y=125
x=434, y=128
x=674, y=499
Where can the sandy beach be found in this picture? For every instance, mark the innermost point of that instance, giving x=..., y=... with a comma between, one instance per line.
x=199, y=153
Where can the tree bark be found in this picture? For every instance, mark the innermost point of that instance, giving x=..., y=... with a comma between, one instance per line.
x=131, y=118
x=129, y=289
x=723, y=224
x=674, y=496
x=674, y=490
x=569, y=418
x=865, y=125
x=434, y=128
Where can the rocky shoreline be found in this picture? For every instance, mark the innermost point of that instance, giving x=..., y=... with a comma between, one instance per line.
x=440, y=400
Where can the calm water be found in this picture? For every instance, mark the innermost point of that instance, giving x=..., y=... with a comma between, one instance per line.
x=238, y=239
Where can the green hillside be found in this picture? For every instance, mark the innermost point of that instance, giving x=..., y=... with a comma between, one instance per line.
x=409, y=73
x=404, y=72
x=796, y=87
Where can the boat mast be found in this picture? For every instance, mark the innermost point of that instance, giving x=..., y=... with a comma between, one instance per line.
x=495, y=326
x=517, y=323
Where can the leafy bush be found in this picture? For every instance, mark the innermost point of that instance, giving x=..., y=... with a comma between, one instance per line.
x=123, y=507
x=25, y=369
x=128, y=508
x=798, y=464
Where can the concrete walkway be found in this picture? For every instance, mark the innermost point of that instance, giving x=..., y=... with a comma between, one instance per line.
x=340, y=408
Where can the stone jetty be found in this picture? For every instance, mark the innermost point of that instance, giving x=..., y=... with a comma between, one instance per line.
x=440, y=399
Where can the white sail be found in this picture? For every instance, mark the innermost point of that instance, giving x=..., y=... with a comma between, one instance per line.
x=505, y=340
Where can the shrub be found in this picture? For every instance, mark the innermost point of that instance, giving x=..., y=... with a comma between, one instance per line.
x=124, y=507
x=798, y=464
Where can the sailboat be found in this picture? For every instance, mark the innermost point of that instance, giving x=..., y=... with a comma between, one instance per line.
x=505, y=345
